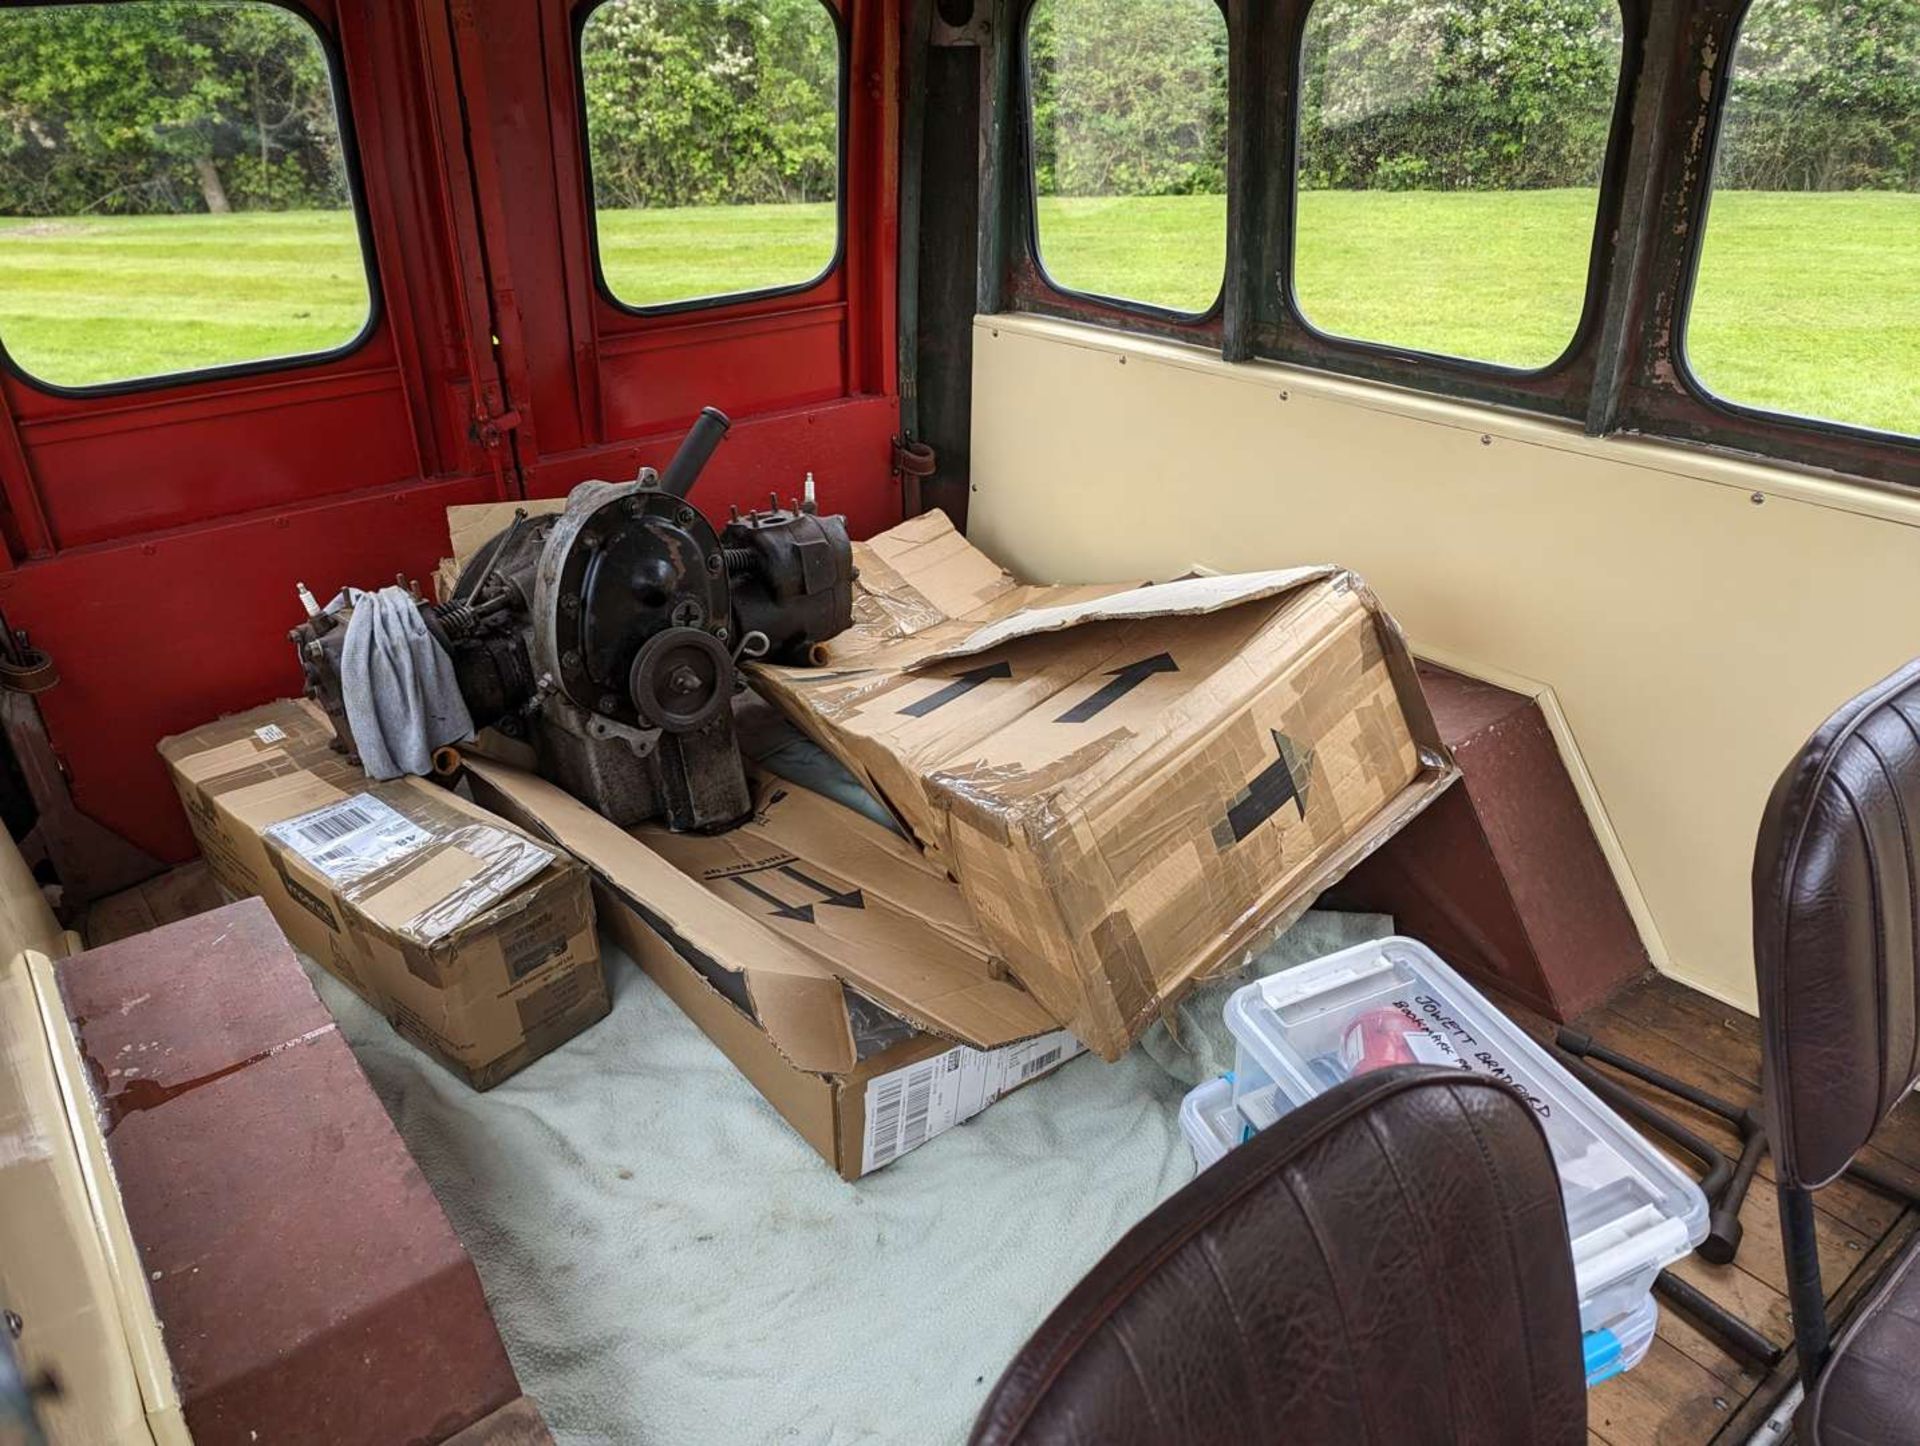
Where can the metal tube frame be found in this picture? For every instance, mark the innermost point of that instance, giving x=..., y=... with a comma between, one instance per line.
x=1805, y=1293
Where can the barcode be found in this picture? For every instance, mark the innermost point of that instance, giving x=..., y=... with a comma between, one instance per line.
x=886, y=1122
x=919, y=1097
x=348, y=839
x=336, y=823
x=1038, y=1063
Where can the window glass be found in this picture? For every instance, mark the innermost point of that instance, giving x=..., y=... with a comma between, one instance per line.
x=713, y=131
x=1450, y=154
x=1129, y=125
x=1807, y=296
x=173, y=191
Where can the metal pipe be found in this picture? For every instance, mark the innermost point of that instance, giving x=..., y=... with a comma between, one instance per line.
x=1708, y=1313
x=695, y=452
x=1805, y=1294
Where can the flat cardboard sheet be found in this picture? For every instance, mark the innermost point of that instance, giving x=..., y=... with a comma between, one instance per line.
x=778, y=936
x=1134, y=786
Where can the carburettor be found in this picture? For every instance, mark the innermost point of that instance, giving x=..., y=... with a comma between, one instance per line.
x=608, y=635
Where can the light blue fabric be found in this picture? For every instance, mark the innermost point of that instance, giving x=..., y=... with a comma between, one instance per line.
x=669, y=1262
x=1199, y=1047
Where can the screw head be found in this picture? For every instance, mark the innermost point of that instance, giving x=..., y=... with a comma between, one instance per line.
x=714, y=564
x=571, y=658
x=682, y=681
x=684, y=517
x=608, y=702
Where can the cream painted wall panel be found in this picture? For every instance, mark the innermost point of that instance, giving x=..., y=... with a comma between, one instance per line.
x=1693, y=636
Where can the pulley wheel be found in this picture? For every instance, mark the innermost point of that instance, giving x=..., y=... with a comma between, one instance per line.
x=682, y=678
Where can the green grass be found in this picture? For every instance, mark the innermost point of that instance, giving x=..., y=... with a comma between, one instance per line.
x=654, y=257
x=104, y=299
x=1806, y=303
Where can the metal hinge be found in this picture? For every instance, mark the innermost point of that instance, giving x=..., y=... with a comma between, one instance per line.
x=913, y=459
x=493, y=430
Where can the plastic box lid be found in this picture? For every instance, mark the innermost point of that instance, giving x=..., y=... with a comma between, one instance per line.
x=1630, y=1210
x=1210, y=1122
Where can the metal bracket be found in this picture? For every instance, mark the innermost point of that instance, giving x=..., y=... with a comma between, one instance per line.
x=493, y=430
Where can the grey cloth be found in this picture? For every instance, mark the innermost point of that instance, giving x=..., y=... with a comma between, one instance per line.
x=402, y=698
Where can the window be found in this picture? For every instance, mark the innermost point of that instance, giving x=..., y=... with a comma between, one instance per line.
x=174, y=192
x=1807, y=295
x=1450, y=154
x=1129, y=125
x=713, y=137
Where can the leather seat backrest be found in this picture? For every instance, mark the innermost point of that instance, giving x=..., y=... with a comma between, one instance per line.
x=1836, y=912
x=1387, y=1264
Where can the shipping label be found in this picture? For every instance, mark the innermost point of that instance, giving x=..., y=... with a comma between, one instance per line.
x=349, y=839
x=907, y=1107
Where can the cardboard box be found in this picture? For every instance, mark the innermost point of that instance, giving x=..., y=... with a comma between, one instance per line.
x=475, y=941
x=1134, y=787
x=841, y=973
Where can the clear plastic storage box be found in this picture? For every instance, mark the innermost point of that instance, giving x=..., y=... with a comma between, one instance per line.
x=1630, y=1211
x=1622, y=1345
x=1210, y=1122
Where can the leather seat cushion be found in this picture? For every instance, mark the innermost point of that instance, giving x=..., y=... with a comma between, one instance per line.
x=1869, y=1394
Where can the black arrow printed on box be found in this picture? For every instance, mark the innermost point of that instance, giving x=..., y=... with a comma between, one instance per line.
x=801, y=913
x=962, y=685
x=846, y=899
x=1275, y=786
x=1125, y=680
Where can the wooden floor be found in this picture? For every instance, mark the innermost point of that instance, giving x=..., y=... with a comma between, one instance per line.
x=1689, y=1391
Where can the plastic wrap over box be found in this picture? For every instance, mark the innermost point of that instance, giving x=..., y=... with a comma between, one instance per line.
x=1134, y=786
x=475, y=940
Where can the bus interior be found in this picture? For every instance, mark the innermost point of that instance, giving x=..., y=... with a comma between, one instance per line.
x=617, y=615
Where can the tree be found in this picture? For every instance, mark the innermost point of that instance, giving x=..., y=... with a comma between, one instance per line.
x=1458, y=94
x=161, y=105
x=1826, y=96
x=1129, y=97
x=697, y=102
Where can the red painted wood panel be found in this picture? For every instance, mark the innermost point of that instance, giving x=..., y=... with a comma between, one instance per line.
x=157, y=636
x=151, y=540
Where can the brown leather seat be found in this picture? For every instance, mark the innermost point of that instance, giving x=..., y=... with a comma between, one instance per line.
x=1387, y=1264
x=1836, y=923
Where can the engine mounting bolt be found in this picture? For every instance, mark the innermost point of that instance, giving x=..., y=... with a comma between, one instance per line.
x=684, y=517
x=714, y=564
